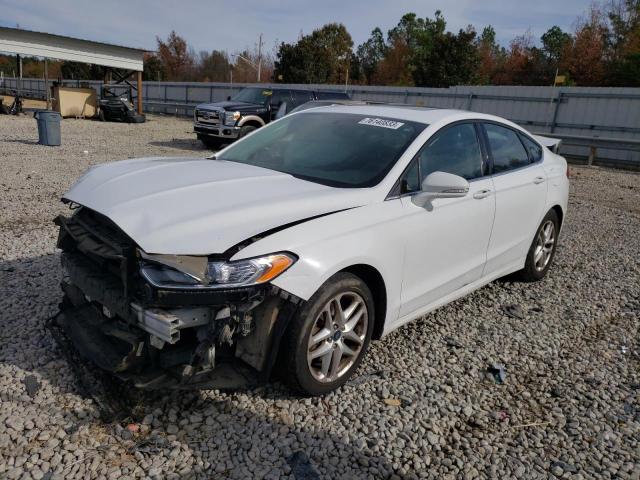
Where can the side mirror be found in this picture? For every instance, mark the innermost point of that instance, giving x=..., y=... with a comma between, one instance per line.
x=441, y=185
x=228, y=98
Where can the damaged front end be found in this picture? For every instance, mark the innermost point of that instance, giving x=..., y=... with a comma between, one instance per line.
x=164, y=321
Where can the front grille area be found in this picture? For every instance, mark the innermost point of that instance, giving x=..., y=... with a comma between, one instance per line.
x=104, y=245
x=208, y=117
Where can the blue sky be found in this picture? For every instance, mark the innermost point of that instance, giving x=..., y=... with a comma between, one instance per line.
x=234, y=25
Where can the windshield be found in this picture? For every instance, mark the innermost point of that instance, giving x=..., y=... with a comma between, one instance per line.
x=253, y=95
x=336, y=149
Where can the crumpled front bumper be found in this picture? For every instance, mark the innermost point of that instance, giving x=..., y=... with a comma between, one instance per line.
x=156, y=338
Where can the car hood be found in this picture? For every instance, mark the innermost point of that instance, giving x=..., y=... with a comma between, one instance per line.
x=229, y=105
x=199, y=206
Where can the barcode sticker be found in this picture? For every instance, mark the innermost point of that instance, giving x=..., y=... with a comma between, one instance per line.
x=381, y=122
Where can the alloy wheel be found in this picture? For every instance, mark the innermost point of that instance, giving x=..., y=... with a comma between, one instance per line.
x=545, y=243
x=337, y=336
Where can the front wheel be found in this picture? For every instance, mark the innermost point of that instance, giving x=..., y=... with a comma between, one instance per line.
x=542, y=250
x=209, y=142
x=246, y=130
x=328, y=338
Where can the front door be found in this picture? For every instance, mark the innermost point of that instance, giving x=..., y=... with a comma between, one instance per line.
x=447, y=240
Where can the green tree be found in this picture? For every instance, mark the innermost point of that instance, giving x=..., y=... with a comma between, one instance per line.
x=213, y=66
x=370, y=54
x=491, y=56
x=322, y=57
x=554, y=42
x=152, y=68
x=437, y=58
x=81, y=71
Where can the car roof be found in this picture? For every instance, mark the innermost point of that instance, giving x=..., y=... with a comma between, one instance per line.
x=410, y=113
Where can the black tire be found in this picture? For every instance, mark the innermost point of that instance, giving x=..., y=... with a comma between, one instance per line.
x=246, y=130
x=135, y=118
x=211, y=143
x=295, y=346
x=531, y=272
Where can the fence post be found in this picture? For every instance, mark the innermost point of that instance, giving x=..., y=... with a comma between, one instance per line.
x=592, y=155
x=469, y=101
x=186, y=97
x=210, y=93
x=164, y=108
x=555, y=112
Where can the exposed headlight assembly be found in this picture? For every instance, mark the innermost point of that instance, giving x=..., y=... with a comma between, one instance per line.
x=220, y=274
x=230, y=118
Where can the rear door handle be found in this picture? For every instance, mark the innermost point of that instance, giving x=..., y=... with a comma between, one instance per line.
x=482, y=194
x=538, y=180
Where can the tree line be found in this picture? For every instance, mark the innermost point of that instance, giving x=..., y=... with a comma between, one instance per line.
x=603, y=49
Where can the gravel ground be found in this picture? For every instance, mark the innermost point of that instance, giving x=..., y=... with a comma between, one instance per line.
x=422, y=404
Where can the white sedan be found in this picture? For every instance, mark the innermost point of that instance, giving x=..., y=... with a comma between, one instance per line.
x=289, y=251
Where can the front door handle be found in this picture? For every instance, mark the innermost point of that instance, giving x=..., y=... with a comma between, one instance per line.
x=538, y=180
x=482, y=194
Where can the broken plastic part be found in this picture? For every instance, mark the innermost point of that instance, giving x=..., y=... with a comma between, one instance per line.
x=191, y=265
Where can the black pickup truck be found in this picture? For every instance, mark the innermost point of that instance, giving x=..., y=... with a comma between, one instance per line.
x=251, y=108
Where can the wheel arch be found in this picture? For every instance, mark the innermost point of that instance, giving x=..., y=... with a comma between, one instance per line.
x=251, y=120
x=558, y=209
x=374, y=280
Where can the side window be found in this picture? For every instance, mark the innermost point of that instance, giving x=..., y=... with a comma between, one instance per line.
x=302, y=96
x=279, y=96
x=506, y=148
x=455, y=150
x=535, y=151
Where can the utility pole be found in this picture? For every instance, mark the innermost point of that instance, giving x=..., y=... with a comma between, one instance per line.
x=259, y=56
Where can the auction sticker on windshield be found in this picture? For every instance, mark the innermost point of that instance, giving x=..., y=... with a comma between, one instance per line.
x=381, y=122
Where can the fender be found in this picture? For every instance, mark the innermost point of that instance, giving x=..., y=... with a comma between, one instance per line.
x=251, y=118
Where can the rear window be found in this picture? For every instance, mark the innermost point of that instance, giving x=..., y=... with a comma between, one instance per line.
x=336, y=149
x=506, y=148
x=535, y=151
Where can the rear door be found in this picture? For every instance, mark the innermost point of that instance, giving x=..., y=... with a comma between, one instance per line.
x=520, y=186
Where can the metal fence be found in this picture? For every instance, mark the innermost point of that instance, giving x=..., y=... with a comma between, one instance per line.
x=586, y=118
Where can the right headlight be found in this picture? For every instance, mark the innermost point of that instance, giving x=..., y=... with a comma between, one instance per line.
x=221, y=274
x=230, y=118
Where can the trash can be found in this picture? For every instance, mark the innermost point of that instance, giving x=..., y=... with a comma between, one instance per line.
x=48, y=127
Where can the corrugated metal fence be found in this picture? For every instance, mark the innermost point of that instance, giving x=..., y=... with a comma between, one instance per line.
x=578, y=114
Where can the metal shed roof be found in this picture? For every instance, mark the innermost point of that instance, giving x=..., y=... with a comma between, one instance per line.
x=39, y=44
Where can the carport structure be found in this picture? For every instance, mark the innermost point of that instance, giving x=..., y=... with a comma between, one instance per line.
x=47, y=45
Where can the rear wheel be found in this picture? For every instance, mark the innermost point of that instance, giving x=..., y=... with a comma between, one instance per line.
x=329, y=337
x=542, y=250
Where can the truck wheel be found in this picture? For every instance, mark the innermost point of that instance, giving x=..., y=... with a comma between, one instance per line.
x=211, y=143
x=246, y=130
x=329, y=336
